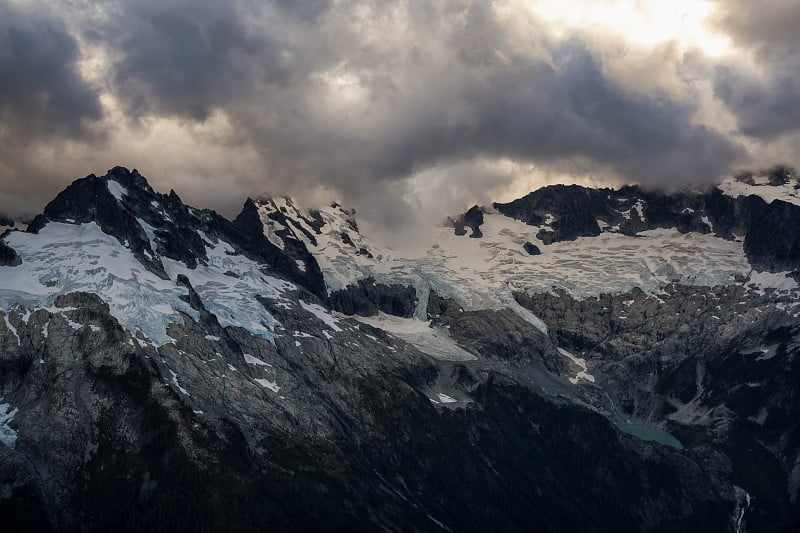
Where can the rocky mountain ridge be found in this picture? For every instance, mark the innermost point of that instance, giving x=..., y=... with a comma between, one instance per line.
x=162, y=368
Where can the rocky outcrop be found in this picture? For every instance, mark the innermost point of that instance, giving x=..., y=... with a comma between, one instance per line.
x=8, y=256
x=502, y=334
x=154, y=225
x=286, y=261
x=531, y=248
x=442, y=310
x=369, y=297
x=772, y=242
x=90, y=200
x=472, y=219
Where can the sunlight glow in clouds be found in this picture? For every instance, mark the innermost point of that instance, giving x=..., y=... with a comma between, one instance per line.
x=644, y=23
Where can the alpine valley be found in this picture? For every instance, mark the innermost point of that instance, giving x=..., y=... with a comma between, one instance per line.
x=578, y=359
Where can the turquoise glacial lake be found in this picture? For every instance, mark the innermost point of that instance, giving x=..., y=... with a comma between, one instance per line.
x=650, y=433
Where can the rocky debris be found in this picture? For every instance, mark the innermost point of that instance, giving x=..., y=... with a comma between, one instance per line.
x=369, y=297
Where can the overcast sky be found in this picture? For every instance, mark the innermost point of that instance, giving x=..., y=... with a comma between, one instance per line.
x=399, y=108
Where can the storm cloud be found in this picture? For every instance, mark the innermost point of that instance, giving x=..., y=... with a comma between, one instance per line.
x=765, y=95
x=42, y=92
x=365, y=101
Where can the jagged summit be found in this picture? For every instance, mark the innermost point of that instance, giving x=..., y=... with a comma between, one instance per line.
x=158, y=226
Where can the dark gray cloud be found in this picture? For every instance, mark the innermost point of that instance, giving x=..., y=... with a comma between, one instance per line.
x=188, y=57
x=768, y=105
x=42, y=92
x=765, y=97
x=549, y=111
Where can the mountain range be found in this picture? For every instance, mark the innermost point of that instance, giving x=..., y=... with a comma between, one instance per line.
x=579, y=359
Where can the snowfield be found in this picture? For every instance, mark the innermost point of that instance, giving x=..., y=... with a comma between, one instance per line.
x=433, y=341
x=761, y=188
x=65, y=258
x=483, y=273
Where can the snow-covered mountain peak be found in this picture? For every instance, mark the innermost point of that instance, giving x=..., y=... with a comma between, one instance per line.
x=116, y=237
x=330, y=234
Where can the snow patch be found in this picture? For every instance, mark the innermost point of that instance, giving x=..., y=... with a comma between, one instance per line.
x=116, y=190
x=249, y=359
x=581, y=363
x=267, y=384
x=8, y=436
x=484, y=273
x=444, y=398
x=433, y=341
x=769, y=193
x=83, y=258
x=178, y=385
x=322, y=314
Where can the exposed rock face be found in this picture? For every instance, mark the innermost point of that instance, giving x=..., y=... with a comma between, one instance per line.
x=442, y=310
x=531, y=248
x=575, y=211
x=713, y=365
x=113, y=434
x=772, y=242
x=368, y=298
x=90, y=200
x=8, y=256
x=294, y=252
x=503, y=334
x=472, y=219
